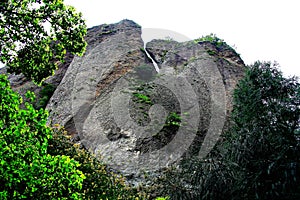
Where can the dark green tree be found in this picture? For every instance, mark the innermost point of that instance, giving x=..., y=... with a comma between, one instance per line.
x=263, y=142
x=35, y=35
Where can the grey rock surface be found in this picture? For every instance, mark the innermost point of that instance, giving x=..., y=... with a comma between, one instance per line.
x=140, y=120
x=112, y=51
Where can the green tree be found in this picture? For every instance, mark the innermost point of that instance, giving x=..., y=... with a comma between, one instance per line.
x=27, y=170
x=35, y=35
x=263, y=142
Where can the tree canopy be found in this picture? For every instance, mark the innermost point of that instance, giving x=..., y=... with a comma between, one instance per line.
x=36, y=34
x=264, y=141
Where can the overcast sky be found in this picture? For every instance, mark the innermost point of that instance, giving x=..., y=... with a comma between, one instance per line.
x=259, y=29
x=267, y=30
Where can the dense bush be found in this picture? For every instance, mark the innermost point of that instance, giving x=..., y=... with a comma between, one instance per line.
x=27, y=170
x=213, y=39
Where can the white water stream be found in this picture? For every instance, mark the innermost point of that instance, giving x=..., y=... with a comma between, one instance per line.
x=153, y=61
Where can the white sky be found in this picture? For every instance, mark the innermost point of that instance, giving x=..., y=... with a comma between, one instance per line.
x=267, y=30
x=260, y=29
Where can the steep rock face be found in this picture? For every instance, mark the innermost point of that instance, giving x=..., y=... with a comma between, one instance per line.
x=178, y=55
x=213, y=77
x=112, y=51
x=140, y=120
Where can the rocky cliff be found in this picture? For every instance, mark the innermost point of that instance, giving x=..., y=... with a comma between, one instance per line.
x=140, y=119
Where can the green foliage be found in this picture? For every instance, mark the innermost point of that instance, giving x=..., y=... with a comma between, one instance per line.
x=45, y=94
x=38, y=162
x=263, y=143
x=35, y=35
x=162, y=198
x=217, y=42
x=173, y=119
x=212, y=38
x=142, y=98
x=259, y=157
x=27, y=169
x=99, y=183
x=211, y=52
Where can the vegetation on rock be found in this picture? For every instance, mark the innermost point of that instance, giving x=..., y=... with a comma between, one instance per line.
x=45, y=94
x=213, y=39
x=99, y=182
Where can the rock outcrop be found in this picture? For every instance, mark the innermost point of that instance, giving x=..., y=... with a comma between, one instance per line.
x=139, y=120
